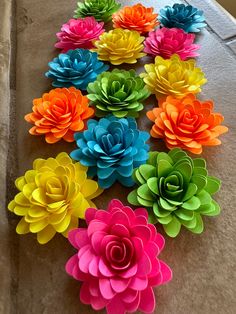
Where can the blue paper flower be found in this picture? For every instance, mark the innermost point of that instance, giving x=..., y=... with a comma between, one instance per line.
x=76, y=68
x=188, y=18
x=112, y=148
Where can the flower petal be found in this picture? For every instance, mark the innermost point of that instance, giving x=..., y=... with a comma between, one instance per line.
x=147, y=301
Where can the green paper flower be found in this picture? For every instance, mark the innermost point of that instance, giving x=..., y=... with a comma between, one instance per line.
x=178, y=190
x=101, y=10
x=118, y=92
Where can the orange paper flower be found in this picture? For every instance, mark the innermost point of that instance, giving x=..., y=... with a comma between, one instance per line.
x=187, y=123
x=59, y=114
x=136, y=17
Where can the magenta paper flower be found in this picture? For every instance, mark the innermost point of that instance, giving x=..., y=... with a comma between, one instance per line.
x=117, y=260
x=79, y=33
x=165, y=42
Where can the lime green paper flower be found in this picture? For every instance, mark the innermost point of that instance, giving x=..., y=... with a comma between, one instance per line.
x=177, y=189
x=101, y=10
x=118, y=92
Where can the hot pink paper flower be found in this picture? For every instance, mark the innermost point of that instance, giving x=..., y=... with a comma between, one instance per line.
x=165, y=42
x=117, y=260
x=79, y=33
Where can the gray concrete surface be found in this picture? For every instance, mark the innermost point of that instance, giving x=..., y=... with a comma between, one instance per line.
x=222, y=23
x=32, y=277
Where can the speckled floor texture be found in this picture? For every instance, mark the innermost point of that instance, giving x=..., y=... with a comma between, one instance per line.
x=32, y=277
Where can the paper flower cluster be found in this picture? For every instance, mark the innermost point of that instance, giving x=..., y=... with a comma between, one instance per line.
x=59, y=114
x=117, y=254
x=118, y=92
x=177, y=189
x=101, y=10
x=187, y=123
x=120, y=46
x=117, y=260
x=79, y=33
x=112, y=148
x=75, y=68
x=53, y=196
x=182, y=16
x=165, y=42
x=136, y=17
x=173, y=77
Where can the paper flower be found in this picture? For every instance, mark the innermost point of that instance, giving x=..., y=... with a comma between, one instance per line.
x=188, y=18
x=59, y=114
x=136, y=17
x=117, y=260
x=173, y=77
x=53, y=196
x=118, y=92
x=177, y=190
x=165, y=42
x=120, y=46
x=187, y=123
x=102, y=10
x=112, y=148
x=75, y=68
x=79, y=34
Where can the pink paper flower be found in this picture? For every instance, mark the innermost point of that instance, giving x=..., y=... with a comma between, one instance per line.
x=165, y=42
x=117, y=260
x=79, y=33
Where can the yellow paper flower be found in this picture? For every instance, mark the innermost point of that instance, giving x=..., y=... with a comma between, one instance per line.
x=120, y=46
x=173, y=77
x=53, y=196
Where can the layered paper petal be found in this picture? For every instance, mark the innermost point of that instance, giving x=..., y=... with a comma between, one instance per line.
x=173, y=77
x=187, y=123
x=165, y=42
x=117, y=264
x=79, y=33
x=52, y=197
x=136, y=17
x=101, y=10
x=120, y=46
x=177, y=190
x=59, y=114
x=76, y=68
x=182, y=16
x=118, y=92
x=112, y=148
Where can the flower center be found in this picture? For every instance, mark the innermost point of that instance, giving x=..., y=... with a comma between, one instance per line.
x=112, y=143
x=54, y=192
x=120, y=89
x=171, y=187
x=119, y=253
x=188, y=120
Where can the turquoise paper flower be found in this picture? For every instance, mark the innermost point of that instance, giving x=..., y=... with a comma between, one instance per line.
x=76, y=68
x=183, y=16
x=112, y=148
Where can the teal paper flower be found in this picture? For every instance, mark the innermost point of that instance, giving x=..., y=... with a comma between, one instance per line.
x=177, y=190
x=112, y=148
x=76, y=68
x=101, y=10
x=183, y=16
x=118, y=92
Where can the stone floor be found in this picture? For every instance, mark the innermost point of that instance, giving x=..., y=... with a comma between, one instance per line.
x=32, y=277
